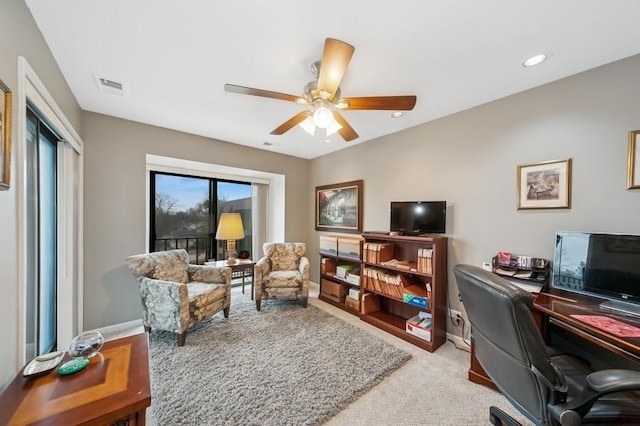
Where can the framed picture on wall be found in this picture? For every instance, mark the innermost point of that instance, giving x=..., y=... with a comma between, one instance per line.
x=5, y=136
x=339, y=207
x=545, y=185
x=633, y=162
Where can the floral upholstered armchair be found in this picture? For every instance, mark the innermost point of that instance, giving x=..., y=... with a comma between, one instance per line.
x=283, y=273
x=176, y=295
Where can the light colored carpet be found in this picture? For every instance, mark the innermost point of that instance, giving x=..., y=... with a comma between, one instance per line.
x=430, y=389
x=284, y=365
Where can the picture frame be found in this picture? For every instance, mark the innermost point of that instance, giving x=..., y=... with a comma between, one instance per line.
x=633, y=161
x=5, y=136
x=545, y=185
x=339, y=207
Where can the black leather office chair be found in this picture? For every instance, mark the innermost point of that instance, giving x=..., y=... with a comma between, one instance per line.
x=547, y=387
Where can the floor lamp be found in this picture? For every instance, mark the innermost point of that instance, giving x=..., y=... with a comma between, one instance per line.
x=230, y=229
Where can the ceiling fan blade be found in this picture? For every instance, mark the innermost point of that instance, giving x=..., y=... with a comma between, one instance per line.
x=263, y=93
x=290, y=123
x=335, y=58
x=347, y=132
x=395, y=103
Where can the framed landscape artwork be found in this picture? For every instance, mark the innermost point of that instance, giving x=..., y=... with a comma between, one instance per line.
x=5, y=136
x=545, y=185
x=633, y=165
x=339, y=207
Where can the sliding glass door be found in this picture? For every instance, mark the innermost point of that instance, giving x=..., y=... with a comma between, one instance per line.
x=185, y=212
x=41, y=324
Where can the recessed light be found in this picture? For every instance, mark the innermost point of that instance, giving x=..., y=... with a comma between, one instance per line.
x=327, y=141
x=397, y=114
x=534, y=60
x=267, y=143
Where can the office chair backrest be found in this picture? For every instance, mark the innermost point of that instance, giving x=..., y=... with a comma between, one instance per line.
x=507, y=342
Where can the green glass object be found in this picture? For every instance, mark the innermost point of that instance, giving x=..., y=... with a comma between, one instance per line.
x=73, y=366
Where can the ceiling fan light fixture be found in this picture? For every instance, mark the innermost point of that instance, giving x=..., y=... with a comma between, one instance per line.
x=308, y=125
x=322, y=117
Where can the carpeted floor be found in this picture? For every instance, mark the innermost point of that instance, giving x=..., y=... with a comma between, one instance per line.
x=283, y=365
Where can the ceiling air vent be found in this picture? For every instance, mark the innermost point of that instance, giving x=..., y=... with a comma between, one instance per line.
x=110, y=86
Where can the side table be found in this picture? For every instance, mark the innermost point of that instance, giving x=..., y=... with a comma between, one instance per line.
x=112, y=390
x=243, y=268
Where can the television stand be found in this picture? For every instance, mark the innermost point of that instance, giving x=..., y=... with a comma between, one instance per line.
x=617, y=305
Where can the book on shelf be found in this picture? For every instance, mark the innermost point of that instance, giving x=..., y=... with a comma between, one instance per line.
x=384, y=282
x=425, y=260
x=377, y=252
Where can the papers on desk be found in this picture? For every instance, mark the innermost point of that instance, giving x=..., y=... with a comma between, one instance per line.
x=530, y=286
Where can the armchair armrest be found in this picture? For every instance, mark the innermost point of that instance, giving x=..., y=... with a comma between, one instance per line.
x=169, y=301
x=262, y=268
x=599, y=383
x=303, y=267
x=209, y=274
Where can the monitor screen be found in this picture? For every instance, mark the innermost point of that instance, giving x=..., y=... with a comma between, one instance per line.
x=418, y=217
x=603, y=265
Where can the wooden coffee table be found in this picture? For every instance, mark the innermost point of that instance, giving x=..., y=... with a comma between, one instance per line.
x=243, y=268
x=112, y=389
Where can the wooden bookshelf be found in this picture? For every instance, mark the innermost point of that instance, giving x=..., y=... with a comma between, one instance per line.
x=408, y=272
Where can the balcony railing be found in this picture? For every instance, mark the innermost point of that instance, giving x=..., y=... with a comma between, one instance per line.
x=197, y=247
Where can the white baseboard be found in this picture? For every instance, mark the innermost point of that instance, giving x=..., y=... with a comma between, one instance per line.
x=459, y=342
x=123, y=329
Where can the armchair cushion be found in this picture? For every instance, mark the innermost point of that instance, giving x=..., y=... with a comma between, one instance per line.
x=283, y=279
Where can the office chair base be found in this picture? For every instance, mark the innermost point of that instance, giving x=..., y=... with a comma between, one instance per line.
x=499, y=418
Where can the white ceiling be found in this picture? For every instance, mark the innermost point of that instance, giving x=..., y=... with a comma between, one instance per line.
x=174, y=57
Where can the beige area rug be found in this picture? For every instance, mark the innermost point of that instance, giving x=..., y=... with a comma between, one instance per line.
x=285, y=365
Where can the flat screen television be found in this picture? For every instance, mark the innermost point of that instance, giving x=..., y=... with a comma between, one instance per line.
x=600, y=265
x=418, y=217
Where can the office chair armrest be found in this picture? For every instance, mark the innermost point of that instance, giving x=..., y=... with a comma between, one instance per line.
x=599, y=383
x=614, y=380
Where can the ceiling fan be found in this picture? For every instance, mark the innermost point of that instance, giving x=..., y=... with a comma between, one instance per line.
x=323, y=96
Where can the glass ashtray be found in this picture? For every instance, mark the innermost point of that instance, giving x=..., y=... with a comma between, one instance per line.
x=86, y=344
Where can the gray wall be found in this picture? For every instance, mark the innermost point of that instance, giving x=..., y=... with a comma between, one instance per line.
x=470, y=159
x=20, y=37
x=114, y=208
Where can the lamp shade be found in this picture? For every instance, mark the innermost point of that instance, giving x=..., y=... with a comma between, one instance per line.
x=230, y=227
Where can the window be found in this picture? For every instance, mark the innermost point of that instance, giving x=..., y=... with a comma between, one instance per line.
x=185, y=212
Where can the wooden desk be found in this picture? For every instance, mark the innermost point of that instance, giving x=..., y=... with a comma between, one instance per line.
x=554, y=309
x=112, y=389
